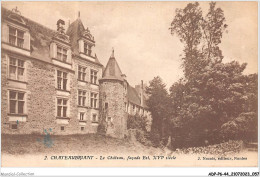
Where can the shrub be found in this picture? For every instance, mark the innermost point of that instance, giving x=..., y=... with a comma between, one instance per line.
x=102, y=128
x=139, y=124
x=243, y=127
x=155, y=138
x=218, y=149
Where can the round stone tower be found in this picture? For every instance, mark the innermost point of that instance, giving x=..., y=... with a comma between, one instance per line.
x=113, y=101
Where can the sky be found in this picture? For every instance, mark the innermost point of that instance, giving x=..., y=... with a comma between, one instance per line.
x=139, y=33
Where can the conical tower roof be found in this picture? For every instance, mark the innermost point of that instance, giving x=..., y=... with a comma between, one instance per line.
x=112, y=70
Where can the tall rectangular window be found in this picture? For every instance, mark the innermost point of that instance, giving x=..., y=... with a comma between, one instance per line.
x=81, y=98
x=12, y=36
x=62, y=80
x=62, y=107
x=93, y=77
x=87, y=49
x=93, y=100
x=81, y=116
x=106, y=106
x=16, y=37
x=94, y=118
x=126, y=107
x=61, y=54
x=16, y=102
x=16, y=69
x=82, y=73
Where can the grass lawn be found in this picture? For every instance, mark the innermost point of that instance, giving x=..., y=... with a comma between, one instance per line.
x=64, y=144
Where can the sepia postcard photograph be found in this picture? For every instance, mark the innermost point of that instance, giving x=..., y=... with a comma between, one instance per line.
x=129, y=84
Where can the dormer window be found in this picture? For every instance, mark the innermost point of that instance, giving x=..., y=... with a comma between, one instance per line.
x=60, y=49
x=87, y=49
x=16, y=37
x=62, y=54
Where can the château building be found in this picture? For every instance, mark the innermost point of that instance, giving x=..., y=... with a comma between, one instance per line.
x=53, y=80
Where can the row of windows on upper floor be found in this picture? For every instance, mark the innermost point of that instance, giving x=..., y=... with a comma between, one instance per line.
x=17, y=71
x=131, y=108
x=17, y=38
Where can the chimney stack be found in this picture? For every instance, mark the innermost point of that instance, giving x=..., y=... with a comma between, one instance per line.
x=60, y=26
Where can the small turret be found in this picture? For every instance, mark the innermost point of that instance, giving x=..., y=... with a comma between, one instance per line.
x=113, y=90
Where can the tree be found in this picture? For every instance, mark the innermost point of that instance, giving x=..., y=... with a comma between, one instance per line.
x=251, y=93
x=212, y=29
x=159, y=106
x=211, y=93
x=200, y=36
x=186, y=25
x=177, y=91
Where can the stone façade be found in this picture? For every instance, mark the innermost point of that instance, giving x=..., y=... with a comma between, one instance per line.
x=113, y=94
x=39, y=53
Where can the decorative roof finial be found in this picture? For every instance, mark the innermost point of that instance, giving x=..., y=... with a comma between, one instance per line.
x=15, y=10
x=113, y=56
x=79, y=14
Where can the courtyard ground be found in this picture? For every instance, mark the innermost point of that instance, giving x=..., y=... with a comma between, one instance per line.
x=88, y=143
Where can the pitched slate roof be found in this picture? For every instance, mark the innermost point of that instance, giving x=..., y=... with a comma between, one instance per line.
x=134, y=97
x=112, y=70
x=41, y=37
x=138, y=89
x=75, y=31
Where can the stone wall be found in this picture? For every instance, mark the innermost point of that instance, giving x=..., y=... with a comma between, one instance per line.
x=39, y=88
x=89, y=126
x=41, y=91
x=41, y=97
x=112, y=92
x=4, y=99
